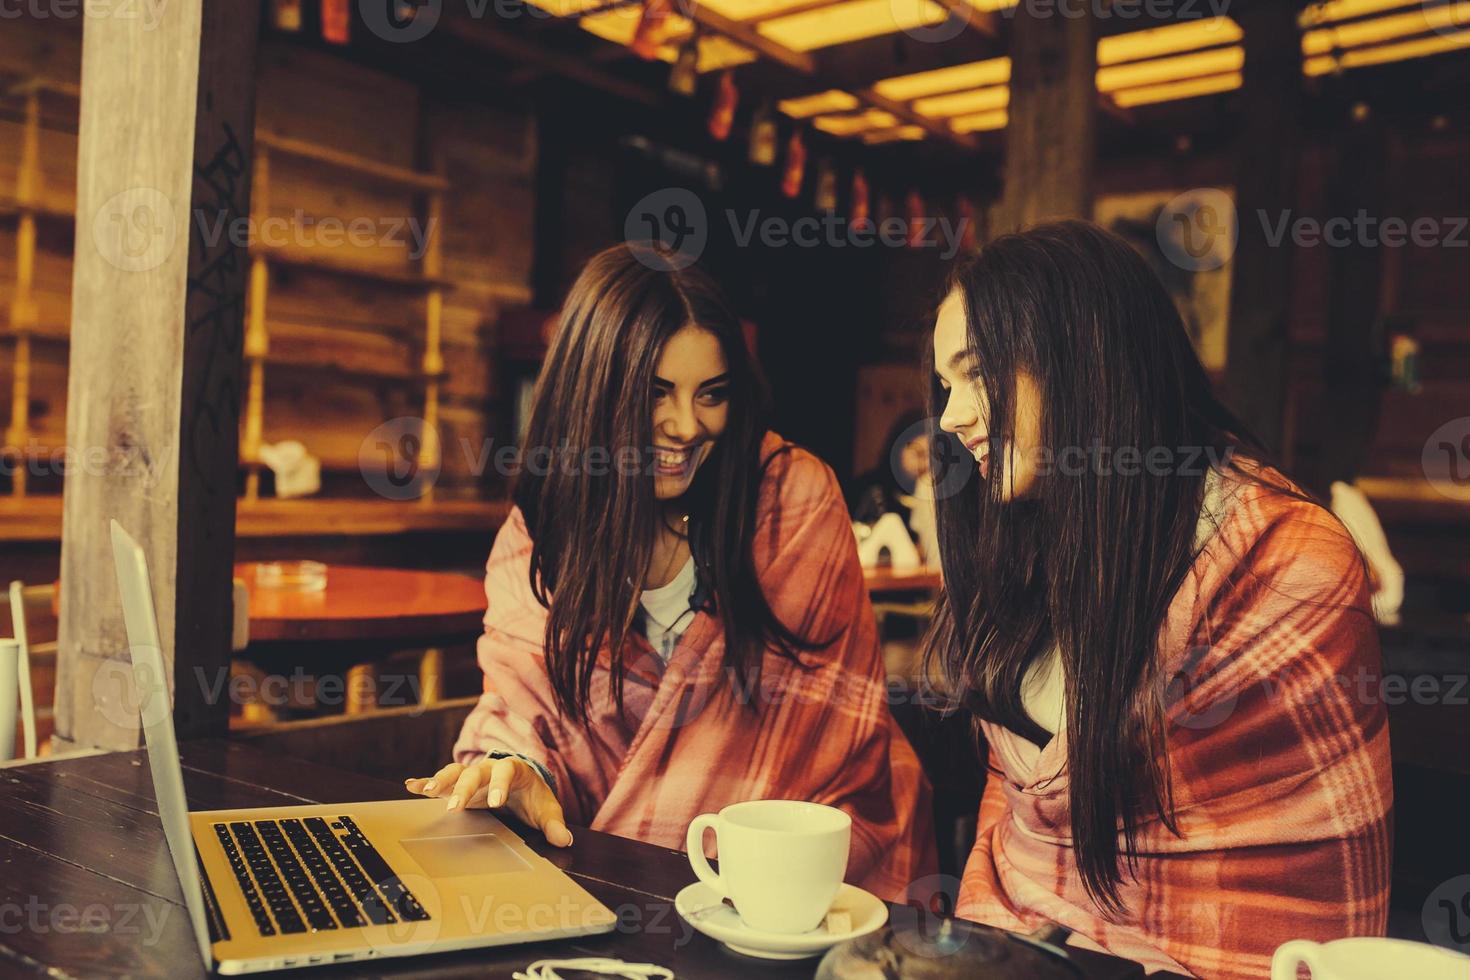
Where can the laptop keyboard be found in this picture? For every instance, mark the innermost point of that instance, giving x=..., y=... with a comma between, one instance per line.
x=309, y=875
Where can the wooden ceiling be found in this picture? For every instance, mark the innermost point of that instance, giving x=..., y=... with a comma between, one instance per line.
x=906, y=70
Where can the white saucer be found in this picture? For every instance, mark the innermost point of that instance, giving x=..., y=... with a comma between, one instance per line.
x=701, y=907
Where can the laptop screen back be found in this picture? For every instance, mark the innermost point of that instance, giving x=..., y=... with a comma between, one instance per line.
x=150, y=681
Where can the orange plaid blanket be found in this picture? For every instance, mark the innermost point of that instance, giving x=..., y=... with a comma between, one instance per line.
x=1278, y=741
x=685, y=743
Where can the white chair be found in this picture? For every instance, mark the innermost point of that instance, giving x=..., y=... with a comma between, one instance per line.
x=15, y=675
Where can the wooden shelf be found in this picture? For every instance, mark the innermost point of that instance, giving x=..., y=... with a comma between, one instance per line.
x=44, y=210
x=401, y=279
x=34, y=83
x=41, y=333
x=38, y=518
x=361, y=166
x=32, y=451
x=403, y=376
x=312, y=516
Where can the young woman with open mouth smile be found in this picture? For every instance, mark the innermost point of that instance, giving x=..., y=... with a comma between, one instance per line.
x=692, y=630
x=1163, y=659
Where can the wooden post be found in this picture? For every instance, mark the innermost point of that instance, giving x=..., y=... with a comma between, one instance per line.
x=163, y=176
x=257, y=338
x=1265, y=184
x=1359, y=297
x=1051, y=135
x=430, y=451
x=22, y=304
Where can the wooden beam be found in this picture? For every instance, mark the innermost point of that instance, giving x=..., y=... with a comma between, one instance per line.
x=1051, y=134
x=485, y=37
x=742, y=33
x=38, y=518
x=157, y=318
x=860, y=64
x=1360, y=296
x=359, y=165
x=935, y=127
x=783, y=69
x=983, y=22
x=804, y=64
x=1265, y=182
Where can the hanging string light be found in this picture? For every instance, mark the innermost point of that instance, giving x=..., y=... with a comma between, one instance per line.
x=652, y=30
x=795, y=171
x=722, y=115
x=826, y=196
x=286, y=15
x=763, y=137
x=914, y=211
x=337, y=21
x=860, y=198
x=684, y=78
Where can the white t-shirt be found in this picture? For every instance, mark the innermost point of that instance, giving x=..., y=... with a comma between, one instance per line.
x=667, y=613
x=1042, y=690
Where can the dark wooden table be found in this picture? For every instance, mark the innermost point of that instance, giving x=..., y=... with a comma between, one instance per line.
x=87, y=888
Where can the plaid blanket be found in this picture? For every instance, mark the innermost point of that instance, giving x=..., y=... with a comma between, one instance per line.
x=685, y=742
x=1278, y=742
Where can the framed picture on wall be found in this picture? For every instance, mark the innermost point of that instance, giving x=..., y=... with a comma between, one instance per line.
x=1188, y=237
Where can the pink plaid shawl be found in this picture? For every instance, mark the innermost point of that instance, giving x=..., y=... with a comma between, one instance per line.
x=683, y=744
x=1279, y=751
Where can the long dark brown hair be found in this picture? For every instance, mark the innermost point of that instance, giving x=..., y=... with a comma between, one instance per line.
x=1088, y=561
x=592, y=513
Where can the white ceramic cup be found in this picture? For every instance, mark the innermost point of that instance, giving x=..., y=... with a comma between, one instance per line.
x=781, y=861
x=1368, y=958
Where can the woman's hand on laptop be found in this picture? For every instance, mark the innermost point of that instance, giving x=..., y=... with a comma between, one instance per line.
x=496, y=783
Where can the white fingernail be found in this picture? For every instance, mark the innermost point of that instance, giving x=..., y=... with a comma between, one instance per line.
x=454, y=802
x=496, y=797
x=429, y=786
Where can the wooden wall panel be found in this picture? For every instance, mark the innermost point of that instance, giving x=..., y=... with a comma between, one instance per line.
x=345, y=353
x=885, y=393
x=311, y=95
x=1428, y=288
x=331, y=418
x=489, y=157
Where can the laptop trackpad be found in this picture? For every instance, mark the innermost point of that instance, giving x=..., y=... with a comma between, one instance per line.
x=466, y=854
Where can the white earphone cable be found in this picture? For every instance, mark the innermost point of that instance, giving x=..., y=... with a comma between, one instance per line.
x=547, y=969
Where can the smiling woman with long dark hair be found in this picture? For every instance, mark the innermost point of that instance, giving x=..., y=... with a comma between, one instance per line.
x=677, y=618
x=1164, y=639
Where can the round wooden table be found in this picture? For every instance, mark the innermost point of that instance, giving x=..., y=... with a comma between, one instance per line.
x=884, y=580
x=367, y=613
x=367, y=604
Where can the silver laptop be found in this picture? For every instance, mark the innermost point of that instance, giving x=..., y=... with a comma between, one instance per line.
x=277, y=887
